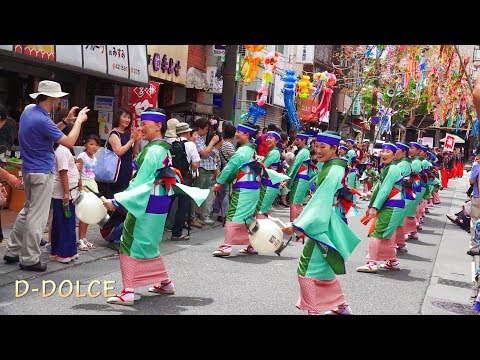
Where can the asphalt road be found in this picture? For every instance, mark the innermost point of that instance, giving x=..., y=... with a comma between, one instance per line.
x=243, y=285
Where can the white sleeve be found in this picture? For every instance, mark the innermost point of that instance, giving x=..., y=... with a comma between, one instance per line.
x=192, y=153
x=62, y=156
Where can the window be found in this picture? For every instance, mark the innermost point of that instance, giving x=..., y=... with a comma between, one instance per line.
x=280, y=48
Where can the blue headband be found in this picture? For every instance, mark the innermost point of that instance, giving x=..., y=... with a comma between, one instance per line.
x=424, y=148
x=343, y=147
x=402, y=146
x=303, y=136
x=416, y=145
x=351, y=141
x=274, y=134
x=153, y=116
x=329, y=139
x=389, y=146
x=246, y=129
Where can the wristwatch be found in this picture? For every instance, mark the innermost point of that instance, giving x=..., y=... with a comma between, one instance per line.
x=64, y=122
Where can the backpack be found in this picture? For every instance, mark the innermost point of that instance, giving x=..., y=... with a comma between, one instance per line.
x=179, y=158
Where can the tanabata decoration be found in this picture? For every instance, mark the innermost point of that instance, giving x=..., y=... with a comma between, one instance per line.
x=290, y=80
x=254, y=112
x=270, y=63
x=254, y=48
x=303, y=85
x=249, y=68
x=326, y=96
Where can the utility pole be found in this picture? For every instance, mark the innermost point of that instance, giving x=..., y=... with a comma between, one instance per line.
x=228, y=91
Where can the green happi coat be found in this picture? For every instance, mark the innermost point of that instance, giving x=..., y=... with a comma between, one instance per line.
x=350, y=155
x=300, y=174
x=404, y=165
x=245, y=183
x=329, y=240
x=352, y=178
x=147, y=203
x=388, y=199
x=370, y=177
x=269, y=191
x=416, y=166
x=428, y=188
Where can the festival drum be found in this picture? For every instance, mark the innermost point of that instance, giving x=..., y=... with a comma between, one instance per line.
x=266, y=236
x=89, y=209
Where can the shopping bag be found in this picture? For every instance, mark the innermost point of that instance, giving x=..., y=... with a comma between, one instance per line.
x=108, y=166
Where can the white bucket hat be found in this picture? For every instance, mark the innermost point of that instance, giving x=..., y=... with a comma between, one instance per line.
x=49, y=88
x=171, y=126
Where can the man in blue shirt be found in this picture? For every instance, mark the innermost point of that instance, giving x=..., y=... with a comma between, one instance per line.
x=475, y=206
x=36, y=136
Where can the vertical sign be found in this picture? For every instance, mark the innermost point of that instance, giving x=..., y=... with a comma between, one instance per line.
x=305, y=54
x=142, y=98
x=215, y=85
x=137, y=55
x=117, y=60
x=69, y=54
x=449, y=143
x=95, y=57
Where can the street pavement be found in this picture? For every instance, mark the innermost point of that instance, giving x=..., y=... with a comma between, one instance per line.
x=435, y=275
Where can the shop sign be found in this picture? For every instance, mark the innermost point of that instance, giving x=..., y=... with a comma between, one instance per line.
x=103, y=103
x=219, y=50
x=45, y=52
x=117, y=57
x=95, y=57
x=215, y=84
x=69, y=54
x=305, y=54
x=168, y=62
x=142, y=98
x=137, y=55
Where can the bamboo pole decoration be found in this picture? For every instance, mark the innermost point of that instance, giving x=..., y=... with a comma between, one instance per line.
x=464, y=71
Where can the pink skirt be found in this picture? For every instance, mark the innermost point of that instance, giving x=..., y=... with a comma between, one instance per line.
x=436, y=197
x=295, y=210
x=141, y=272
x=381, y=249
x=409, y=225
x=236, y=233
x=319, y=295
x=399, y=236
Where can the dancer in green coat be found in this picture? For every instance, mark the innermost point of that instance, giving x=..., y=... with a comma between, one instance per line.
x=329, y=240
x=300, y=173
x=268, y=190
x=244, y=172
x=147, y=201
x=386, y=208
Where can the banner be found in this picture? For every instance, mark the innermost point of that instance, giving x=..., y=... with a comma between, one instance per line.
x=449, y=143
x=142, y=98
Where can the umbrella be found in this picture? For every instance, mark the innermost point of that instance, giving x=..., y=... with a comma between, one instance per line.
x=458, y=139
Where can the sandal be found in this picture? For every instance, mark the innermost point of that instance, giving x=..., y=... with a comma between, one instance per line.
x=119, y=300
x=88, y=243
x=81, y=245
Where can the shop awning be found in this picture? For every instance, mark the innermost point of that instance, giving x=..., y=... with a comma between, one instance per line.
x=196, y=79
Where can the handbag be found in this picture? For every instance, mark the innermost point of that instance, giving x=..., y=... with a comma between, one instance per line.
x=108, y=165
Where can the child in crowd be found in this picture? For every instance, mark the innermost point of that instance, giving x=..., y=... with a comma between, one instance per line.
x=66, y=185
x=88, y=162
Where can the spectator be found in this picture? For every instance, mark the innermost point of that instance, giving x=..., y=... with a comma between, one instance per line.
x=192, y=157
x=475, y=206
x=205, y=179
x=7, y=135
x=87, y=161
x=37, y=134
x=65, y=187
x=124, y=143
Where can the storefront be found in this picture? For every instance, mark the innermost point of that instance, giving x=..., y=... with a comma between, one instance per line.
x=166, y=68
x=90, y=73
